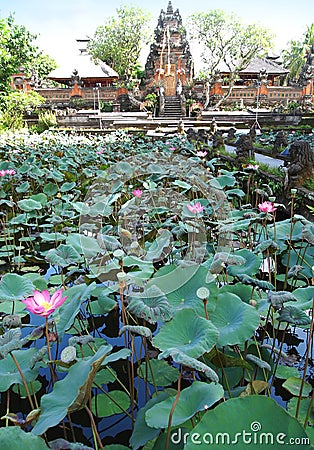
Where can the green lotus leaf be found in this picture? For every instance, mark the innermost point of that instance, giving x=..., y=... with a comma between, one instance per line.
x=29, y=205
x=277, y=299
x=258, y=361
x=241, y=290
x=187, y=333
x=14, y=438
x=198, y=397
x=269, y=244
x=292, y=314
x=71, y=393
x=160, y=247
x=266, y=356
x=303, y=409
x=223, y=181
x=252, y=265
x=284, y=372
x=220, y=359
x=237, y=192
x=142, y=433
x=61, y=444
x=67, y=186
x=158, y=372
x=181, y=284
x=33, y=387
x=307, y=259
x=24, y=187
x=308, y=233
x=9, y=373
x=52, y=237
x=106, y=405
x=67, y=312
x=15, y=287
x=50, y=189
x=41, y=198
x=283, y=230
x=151, y=305
x=246, y=279
x=293, y=385
x=63, y=256
x=304, y=297
x=235, y=320
x=213, y=432
x=85, y=245
x=185, y=360
x=136, y=329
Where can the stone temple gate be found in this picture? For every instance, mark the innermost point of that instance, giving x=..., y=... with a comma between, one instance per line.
x=169, y=65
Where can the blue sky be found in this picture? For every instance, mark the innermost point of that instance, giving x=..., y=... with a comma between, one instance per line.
x=59, y=22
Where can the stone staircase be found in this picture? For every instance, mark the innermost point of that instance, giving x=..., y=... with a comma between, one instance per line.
x=172, y=107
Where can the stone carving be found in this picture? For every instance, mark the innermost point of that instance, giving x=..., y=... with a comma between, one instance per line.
x=218, y=140
x=280, y=142
x=244, y=147
x=301, y=164
x=231, y=134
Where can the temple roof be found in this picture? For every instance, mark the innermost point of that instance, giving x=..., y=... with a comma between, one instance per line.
x=85, y=67
x=258, y=64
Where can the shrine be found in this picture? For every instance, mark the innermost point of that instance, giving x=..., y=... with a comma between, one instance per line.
x=169, y=66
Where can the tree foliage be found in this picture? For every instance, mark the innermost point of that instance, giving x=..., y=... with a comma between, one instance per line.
x=18, y=50
x=15, y=104
x=227, y=42
x=120, y=40
x=294, y=56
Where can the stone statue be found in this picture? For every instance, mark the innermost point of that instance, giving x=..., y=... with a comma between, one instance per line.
x=218, y=140
x=231, y=134
x=244, y=147
x=300, y=166
x=280, y=142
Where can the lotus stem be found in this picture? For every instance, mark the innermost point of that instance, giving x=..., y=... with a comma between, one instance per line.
x=306, y=366
x=94, y=428
x=280, y=350
x=172, y=410
x=23, y=379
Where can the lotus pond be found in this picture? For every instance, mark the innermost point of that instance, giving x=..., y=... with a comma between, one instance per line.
x=150, y=298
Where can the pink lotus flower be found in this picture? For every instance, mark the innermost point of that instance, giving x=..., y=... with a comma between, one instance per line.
x=196, y=208
x=201, y=154
x=137, y=192
x=250, y=166
x=172, y=148
x=44, y=305
x=267, y=207
x=7, y=172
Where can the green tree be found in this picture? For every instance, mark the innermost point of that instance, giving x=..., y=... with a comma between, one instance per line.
x=17, y=50
x=120, y=40
x=15, y=104
x=42, y=65
x=294, y=56
x=227, y=42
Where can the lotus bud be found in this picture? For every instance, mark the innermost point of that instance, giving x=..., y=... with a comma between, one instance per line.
x=203, y=293
x=253, y=302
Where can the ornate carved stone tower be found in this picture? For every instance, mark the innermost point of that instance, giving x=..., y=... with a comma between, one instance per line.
x=170, y=59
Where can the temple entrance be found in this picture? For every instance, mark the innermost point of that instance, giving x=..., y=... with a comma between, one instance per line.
x=170, y=80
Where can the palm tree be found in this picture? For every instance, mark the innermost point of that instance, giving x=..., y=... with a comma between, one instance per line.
x=295, y=55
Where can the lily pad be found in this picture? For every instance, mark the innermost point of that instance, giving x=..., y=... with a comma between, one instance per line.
x=158, y=372
x=235, y=320
x=212, y=431
x=116, y=402
x=198, y=397
x=187, y=333
x=293, y=385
